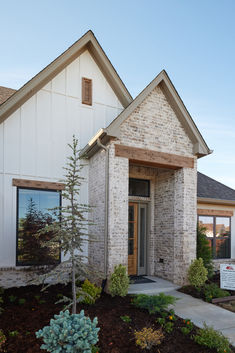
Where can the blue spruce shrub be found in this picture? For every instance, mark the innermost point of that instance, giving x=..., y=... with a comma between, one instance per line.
x=67, y=333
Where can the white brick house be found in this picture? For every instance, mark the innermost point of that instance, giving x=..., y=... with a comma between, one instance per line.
x=142, y=168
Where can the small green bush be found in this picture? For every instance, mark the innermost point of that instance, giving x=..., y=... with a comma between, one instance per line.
x=67, y=333
x=212, y=291
x=92, y=290
x=12, y=298
x=13, y=333
x=119, y=282
x=197, y=273
x=126, y=318
x=167, y=320
x=204, y=250
x=95, y=349
x=153, y=303
x=212, y=339
x=188, y=327
x=22, y=301
x=148, y=337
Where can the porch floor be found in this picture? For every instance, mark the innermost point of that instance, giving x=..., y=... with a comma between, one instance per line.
x=194, y=309
x=159, y=285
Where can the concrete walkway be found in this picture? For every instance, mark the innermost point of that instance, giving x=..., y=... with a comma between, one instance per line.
x=191, y=308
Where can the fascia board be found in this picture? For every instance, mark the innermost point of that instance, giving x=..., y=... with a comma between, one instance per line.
x=215, y=201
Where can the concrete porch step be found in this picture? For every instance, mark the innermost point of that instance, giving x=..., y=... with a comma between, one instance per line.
x=159, y=285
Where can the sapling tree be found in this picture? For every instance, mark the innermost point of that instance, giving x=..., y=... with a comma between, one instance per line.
x=70, y=228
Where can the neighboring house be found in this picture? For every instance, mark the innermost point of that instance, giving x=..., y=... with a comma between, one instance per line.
x=141, y=169
x=216, y=212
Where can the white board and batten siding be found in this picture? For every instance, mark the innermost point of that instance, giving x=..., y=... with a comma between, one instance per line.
x=33, y=140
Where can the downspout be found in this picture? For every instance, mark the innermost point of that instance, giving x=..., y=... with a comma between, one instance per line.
x=106, y=205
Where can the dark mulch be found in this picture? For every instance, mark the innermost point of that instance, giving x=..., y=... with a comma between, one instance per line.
x=115, y=335
x=199, y=294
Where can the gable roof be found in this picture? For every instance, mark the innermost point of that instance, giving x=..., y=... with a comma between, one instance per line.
x=200, y=147
x=211, y=190
x=5, y=93
x=87, y=42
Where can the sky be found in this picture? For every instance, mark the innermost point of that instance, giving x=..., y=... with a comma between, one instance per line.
x=194, y=41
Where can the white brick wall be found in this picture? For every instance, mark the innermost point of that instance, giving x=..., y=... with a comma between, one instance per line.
x=172, y=229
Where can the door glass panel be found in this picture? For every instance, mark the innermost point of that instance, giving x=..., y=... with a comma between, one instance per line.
x=142, y=236
x=131, y=213
x=130, y=247
x=131, y=230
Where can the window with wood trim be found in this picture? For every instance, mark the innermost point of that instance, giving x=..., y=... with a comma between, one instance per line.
x=86, y=91
x=34, y=212
x=218, y=232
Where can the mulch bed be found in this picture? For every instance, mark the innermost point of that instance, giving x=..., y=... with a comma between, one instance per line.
x=199, y=294
x=115, y=336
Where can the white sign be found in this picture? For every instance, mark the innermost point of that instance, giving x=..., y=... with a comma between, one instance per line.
x=227, y=276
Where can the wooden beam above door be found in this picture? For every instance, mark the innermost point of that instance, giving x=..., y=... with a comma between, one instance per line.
x=152, y=158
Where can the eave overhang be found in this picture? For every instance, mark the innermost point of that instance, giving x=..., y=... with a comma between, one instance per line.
x=205, y=200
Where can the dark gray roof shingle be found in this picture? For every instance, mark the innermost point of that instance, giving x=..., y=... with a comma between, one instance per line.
x=212, y=189
x=6, y=93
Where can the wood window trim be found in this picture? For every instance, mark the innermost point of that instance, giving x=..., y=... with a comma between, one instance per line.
x=29, y=263
x=37, y=184
x=86, y=91
x=152, y=158
x=209, y=212
x=214, y=217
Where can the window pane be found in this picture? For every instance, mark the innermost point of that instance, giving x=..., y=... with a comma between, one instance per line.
x=142, y=236
x=207, y=222
x=139, y=187
x=222, y=237
x=131, y=230
x=131, y=213
x=33, y=215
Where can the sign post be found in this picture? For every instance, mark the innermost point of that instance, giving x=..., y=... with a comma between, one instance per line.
x=227, y=276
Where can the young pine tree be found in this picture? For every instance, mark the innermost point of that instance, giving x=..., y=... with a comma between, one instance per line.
x=70, y=231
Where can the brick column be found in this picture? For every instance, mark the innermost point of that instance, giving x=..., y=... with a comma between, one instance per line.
x=185, y=218
x=118, y=210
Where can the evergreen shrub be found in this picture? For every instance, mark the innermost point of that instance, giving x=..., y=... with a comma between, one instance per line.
x=204, y=250
x=119, y=281
x=197, y=273
x=67, y=333
x=92, y=290
x=212, y=339
x=212, y=291
x=154, y=303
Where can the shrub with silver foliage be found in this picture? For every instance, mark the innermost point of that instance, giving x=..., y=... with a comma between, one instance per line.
x=67, y=333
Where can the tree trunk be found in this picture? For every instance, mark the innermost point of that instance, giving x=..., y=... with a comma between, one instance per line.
x=74, y=288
